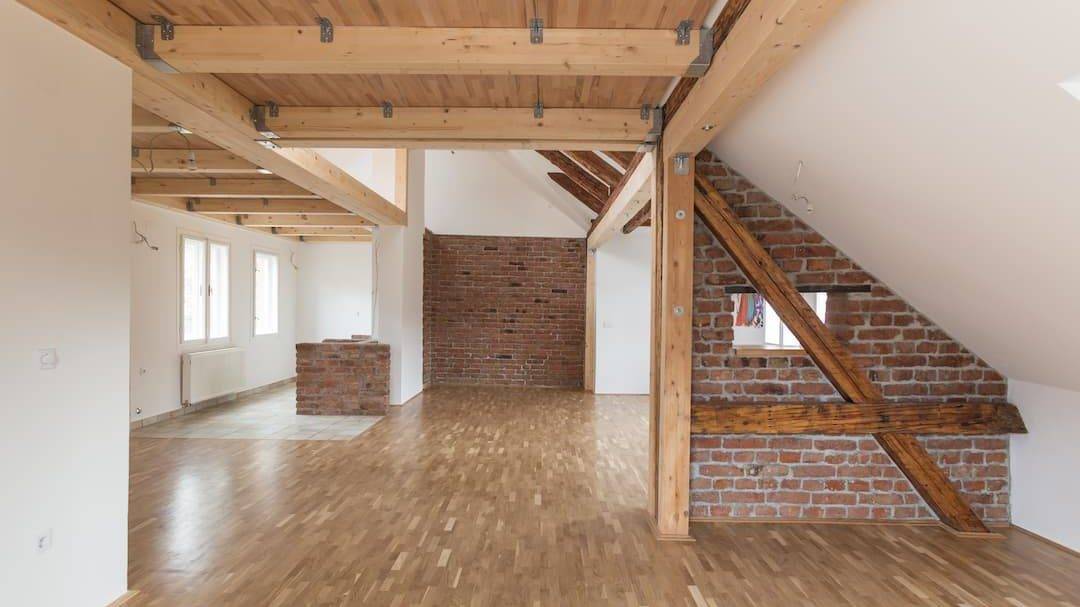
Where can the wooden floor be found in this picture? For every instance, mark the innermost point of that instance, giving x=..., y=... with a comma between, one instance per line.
x=509, y=497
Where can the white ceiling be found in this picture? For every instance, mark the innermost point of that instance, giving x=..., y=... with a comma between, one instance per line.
x=941, y=154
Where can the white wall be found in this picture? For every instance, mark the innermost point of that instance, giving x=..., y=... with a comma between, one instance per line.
x=334, y=293
x=65, y=240
x=499, y=193
x=1045, y=494
x=940, y=153
x=155, y=303
x=371, y=167
x=623, y=282
x=399, y=289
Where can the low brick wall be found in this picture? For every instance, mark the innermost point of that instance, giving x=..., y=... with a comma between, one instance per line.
x=342, y=377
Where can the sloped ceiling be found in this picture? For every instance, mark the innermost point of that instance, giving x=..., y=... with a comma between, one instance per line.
x=941, y=153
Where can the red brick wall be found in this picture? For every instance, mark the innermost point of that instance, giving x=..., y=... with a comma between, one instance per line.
x=504, y=311
x=908, y=356
x=342, y=377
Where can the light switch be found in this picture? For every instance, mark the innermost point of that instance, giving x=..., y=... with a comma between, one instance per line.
x=47, y=359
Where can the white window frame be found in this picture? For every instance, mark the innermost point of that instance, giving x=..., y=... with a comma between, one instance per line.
x=254, y=292
x=205, y=342
x=818, y=301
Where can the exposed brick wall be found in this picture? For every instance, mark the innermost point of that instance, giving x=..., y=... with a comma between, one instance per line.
x=906, y=355
x=342, y=377
x=504, y=311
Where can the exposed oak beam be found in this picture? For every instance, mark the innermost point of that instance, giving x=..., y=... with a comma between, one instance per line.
x=725, y=21
x=632, y=193
x=767, y=35
x=639, y=220
x=426, y=50
x=599, y=167
x=210, y=162
x=264, y=220
x=218, y=188
x=575, y=190
x=209, y=108
x=455, y=144
x=317, y=239
x=673, y=311
x=851, y=418
x=237, y=206
x=149, y=123
x=623, y=159
x=833, y=359
x=580, y=176
x=327, y=231
x=333, y=126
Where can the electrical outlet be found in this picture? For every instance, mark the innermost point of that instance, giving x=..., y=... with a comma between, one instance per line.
x=47, y=359
x=44, y=541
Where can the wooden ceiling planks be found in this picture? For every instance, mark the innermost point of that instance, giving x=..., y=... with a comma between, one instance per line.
x=437, y=90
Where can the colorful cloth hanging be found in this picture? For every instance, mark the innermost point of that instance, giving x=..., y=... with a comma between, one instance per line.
x=749, y=310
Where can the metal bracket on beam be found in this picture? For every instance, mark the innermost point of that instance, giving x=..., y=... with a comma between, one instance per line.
x=682, y=164
x=536, y=31
x=682, y=32
x=646, y=111
x=134, y=152
x=657, y=126
x=701, y=63
x=538, y=110
x=258, y=118
x=191, y=202
x=144, y=43
x=326, y=30
x=387, y=109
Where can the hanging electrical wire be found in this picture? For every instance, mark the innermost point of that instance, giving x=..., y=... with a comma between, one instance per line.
x=142, y=237
x=191, y=166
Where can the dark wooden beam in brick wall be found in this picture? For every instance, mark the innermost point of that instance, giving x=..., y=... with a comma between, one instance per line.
x=831, y=357
x=852, y=418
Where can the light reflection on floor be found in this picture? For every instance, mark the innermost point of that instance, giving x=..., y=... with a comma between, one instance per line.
x=268, y=415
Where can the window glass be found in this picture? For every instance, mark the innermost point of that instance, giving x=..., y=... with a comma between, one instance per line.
x=193, y=265
x=218, y=305
x=266, y=293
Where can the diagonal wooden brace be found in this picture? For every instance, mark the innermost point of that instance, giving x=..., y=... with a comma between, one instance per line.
x=834, y=360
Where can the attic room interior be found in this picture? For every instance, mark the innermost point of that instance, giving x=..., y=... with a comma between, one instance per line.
x=537, y=302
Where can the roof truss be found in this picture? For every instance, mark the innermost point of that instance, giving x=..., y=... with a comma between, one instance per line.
x=329, y=49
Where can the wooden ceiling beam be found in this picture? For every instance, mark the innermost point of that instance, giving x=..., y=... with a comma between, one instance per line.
x=601, y=127
x=238, y=206
x=764, y=38
x=339, y=238
x=317, y=231
x=851, y=418
x=217, y=188
x=627, y=199
x=210, y=108
x=621, y=158
x=574, y=171
x=149, y=123
x=833, y=360
x=147, y=162
x=642, y=219
x=266, y=220
x=599, y=167
x=272, y=49
x=420, y=143
x=592, y=202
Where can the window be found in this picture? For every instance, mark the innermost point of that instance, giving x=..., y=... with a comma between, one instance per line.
x=758, y=326
x=204, y=290
x=266, y=293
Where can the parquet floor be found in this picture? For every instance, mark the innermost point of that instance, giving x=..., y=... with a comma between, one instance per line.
x=508, y=497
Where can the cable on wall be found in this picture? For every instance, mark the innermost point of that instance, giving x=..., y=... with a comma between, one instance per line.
x=142, y=237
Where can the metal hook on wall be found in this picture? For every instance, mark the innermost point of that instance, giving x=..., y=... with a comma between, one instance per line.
x=796, y=196
x=142, y=237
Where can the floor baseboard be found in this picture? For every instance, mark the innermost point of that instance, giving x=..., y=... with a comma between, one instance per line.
x=124, y=598
x=1046, y=540
x=206, y=404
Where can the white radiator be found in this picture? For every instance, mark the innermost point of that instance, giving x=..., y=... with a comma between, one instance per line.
x=206, y=375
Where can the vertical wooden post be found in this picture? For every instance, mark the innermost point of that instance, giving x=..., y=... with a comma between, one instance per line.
x=401, y=178
x=590, y=321
x=656, y=216
x=674, y=318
